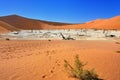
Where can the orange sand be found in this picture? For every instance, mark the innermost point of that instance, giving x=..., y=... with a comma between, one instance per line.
x=44, y=60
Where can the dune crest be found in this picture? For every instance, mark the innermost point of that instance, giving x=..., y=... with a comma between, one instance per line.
x=18, y=22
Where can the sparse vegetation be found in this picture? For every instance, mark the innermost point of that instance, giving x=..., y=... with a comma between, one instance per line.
x=79, y=72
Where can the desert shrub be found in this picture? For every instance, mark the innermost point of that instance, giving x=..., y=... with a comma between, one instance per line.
x=79, y=72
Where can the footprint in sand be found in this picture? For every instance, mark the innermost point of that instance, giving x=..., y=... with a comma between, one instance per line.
x=51, y=71
x=14, y=77
x=58, y=63
x=44, y=76
x=38, y=53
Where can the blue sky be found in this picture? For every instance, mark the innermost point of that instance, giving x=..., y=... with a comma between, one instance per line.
x=71, y=11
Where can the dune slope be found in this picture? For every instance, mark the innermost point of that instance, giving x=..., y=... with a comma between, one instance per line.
x=112, y=23
x=3, y=30
x=26, y=23
x=44, y=60
x=5, y=27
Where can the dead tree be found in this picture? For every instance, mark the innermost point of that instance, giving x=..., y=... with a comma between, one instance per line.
x=62, y=36
x=68, y=38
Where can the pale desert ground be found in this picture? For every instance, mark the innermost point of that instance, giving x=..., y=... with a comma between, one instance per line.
x=44, y=60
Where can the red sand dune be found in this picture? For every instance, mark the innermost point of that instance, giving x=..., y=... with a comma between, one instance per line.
x=5, y=27
x=3, y=30
x=26, y=23
x=112, y=23
x=44, y=60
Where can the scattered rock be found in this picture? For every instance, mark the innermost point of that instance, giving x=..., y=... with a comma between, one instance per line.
x=7, y=39
x=118, y=51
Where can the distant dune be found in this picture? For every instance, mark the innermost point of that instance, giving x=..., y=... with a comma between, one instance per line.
x=112, y=23
x=26, y=23
x=5, y=27
x=15, y=22
x=3, y=30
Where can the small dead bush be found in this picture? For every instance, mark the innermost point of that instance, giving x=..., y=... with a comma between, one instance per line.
x=79, y=72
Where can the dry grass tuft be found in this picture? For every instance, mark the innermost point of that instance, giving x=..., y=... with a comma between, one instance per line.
x=79, y=72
